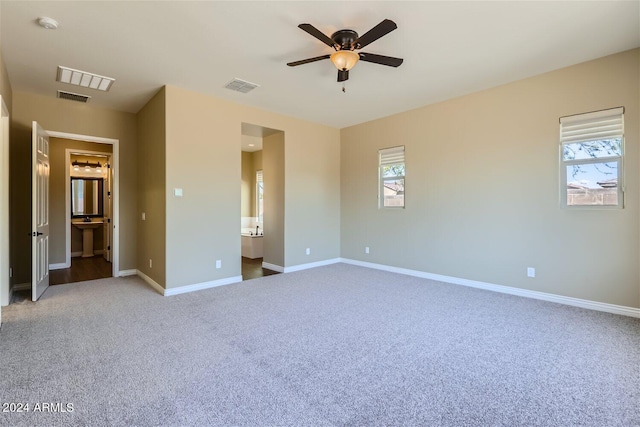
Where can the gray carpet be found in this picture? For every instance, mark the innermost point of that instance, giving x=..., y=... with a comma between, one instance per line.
x=336, y=345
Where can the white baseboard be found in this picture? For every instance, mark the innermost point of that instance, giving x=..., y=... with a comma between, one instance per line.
x=273, y=267
x=21, y=287
x=300, y=267
x=201, y=286
x=188, y=288
x=125, y=273
x=79, y=253
x=59, y=266
x=575, y=302
x=155, y=285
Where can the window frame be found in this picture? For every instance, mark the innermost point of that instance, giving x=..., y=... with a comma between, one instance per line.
x=381, y=178
x=620, y=188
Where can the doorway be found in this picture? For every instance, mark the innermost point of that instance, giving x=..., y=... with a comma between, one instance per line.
x=87, y=192
x=90, y=163
x=262, y=201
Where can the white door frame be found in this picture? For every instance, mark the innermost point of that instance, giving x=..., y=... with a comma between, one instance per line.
x=67, y=199
x=115, y=222
x=4, y=205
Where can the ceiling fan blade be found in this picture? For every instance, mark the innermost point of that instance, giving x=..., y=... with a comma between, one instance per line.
x=308, y=60
x=381, y=59
x=383, y=28
x=343, y=75
x=318, y=34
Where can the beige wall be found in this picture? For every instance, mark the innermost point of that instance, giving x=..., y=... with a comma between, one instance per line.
x=482, y=189
x=273, y=175
x=71, y=117
x=251, y=163
x=151, y=188
x=247, y=184
x=57, y=208
x=203, y=158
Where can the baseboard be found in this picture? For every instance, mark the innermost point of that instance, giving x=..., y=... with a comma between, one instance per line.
x=79, y=253
x=575, y=302
x=201, y=286
x=273, y=267
x=125, y=273
x=300, y=267
x=59, y=266
x=155, y=285
x=188, y=288
x=21, y=286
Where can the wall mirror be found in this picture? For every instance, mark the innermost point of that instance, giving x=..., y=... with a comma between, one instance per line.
x=87, y=197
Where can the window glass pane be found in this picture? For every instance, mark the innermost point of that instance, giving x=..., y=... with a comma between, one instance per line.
x=393, y=192
x=393, y=170
x=592, y=149
x=594, y=184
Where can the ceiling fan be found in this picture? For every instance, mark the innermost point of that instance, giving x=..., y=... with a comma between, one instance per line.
x=345, y=43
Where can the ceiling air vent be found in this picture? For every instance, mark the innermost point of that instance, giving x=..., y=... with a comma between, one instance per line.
x=73, y=96
x=241, y=86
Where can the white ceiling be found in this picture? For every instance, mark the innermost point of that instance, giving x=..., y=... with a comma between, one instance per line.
x=449, y=49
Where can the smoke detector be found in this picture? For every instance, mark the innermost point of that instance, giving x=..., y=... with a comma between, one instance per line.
x=48, y=23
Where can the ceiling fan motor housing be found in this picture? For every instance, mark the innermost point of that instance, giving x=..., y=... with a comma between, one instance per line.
x=345, y=39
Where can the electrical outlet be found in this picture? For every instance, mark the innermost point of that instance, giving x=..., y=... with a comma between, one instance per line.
x=308, y=251
x=219, y=263
x=150, y=263
x=366, y=249
x=531, y=272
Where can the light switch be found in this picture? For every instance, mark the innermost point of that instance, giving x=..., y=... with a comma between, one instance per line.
x=177, y=192
x=144, y=216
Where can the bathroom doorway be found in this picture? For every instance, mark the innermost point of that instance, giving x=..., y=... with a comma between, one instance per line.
x=262, y=201
x=82, y=210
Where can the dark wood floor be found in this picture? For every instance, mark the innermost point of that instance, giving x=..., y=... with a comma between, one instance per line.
x=252, y=269
x=95, y=267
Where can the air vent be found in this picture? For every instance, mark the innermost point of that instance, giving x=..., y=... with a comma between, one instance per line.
x=73, y=96
x=241, y=86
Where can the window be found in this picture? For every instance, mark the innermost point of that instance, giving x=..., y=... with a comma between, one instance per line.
x=259, y=196
x=591, y=153
x=392, y=174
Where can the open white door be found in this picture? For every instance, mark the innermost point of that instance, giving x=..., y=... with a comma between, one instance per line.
x=108, y=230
x=39, y=211
x=4, y=205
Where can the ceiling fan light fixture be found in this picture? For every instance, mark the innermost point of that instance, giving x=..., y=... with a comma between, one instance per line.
x=344, y=60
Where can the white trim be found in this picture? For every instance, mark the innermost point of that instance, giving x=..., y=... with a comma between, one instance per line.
x=125, y=273
x=575, y=302
x=300, y=267
x=201, y=286
x=155, y=285
x=115, y=165
x=187, y=288
x=21, y=286
x=273, y=267
x=76, y=254
x=59, y=266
